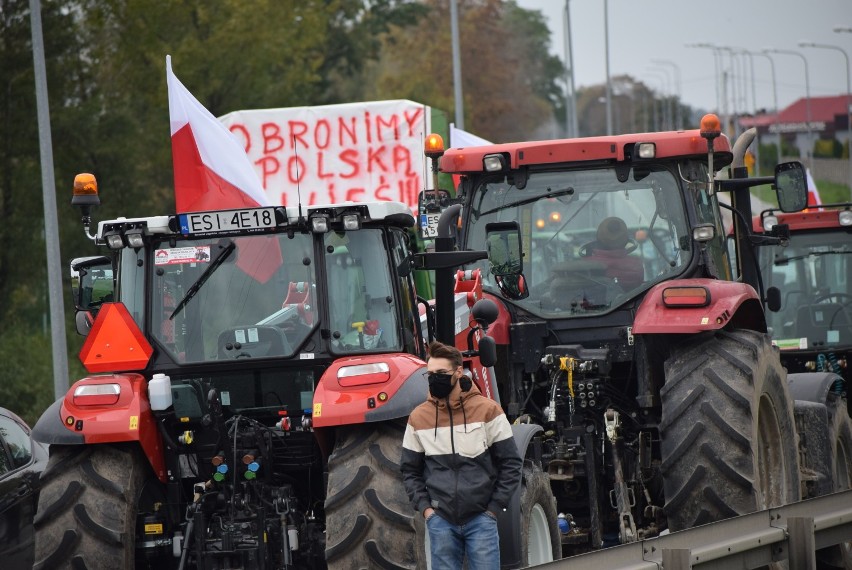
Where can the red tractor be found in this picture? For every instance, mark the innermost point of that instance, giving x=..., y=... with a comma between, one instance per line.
x=621, y=330
x=251, y=374
x=808, y=279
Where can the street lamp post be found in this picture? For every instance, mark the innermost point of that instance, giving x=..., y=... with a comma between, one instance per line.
x=678, y=91
x=734, y=92
x=667, y=111
x=716, y=73
x=457, y=84
x=744, y=92
x=848, y=97
x=774, y=102
x=608, y=80
x=571, y=123
x=809, y=149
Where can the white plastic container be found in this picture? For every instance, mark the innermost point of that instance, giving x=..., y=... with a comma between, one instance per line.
x=160, y=392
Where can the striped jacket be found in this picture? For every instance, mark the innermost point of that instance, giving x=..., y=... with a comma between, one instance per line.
x=461, y=460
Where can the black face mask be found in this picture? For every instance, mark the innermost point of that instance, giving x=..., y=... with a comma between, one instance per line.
x=440, y=385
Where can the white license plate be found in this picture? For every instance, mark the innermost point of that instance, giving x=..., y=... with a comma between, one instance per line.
x=227, y=221
x=429, y=225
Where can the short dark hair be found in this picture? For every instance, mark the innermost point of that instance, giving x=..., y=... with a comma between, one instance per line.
x=441, y=350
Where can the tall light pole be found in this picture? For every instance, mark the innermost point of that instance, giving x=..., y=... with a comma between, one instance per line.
x=667, y=97
x=678, y=91
x=59, y=347
x=731, y=53
x=774, y=102
x=744, y=52
x=720, y=106
x=848, y=97
x=809, y=148
x=608, y=80
x=457, y=84
x=571, y=124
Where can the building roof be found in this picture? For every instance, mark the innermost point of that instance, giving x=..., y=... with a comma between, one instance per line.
x=824, y=111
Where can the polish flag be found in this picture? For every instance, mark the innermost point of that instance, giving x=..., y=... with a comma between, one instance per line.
x=213, y=172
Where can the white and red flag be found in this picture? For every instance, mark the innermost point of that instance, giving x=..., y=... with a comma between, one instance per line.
x=213, y=172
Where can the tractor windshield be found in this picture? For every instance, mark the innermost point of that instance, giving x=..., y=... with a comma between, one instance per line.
x=258, y=296
x=235, y=297
x=592, y=239
x=814, y=274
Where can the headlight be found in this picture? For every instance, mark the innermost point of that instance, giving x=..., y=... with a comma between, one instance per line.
x=770, y=222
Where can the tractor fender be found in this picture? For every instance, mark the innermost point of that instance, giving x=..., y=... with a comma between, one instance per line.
x=812, y=386
x=499, y=329
x=509, y=521
x=731, y=304
x=370, y=388
x=71, y=421
x=50, y=429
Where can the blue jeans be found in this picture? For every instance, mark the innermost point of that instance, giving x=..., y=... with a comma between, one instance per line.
x=477, y=538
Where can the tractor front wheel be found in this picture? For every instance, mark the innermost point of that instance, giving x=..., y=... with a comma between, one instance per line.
x=369, y=522
x=540, y=540
x=728, y=436
x=86, y=514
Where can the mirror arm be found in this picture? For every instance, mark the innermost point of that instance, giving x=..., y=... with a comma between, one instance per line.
x=732, y=184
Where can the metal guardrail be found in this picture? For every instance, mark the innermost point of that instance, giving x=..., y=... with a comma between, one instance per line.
x=792, y=532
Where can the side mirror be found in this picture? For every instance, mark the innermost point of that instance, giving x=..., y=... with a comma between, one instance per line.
x=430, y=205
x=506, y=255
x=503, y=244
x=791, y=186
x=92, y=282
x=773, y=299
x=487, y=351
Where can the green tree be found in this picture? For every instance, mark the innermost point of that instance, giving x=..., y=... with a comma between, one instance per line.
x=510, y=81
x=109, y=116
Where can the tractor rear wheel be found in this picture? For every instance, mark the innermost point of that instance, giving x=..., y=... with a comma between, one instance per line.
x=369, y=522
x=86, y=514
x=540, y=540
x=841, y=436
x=728, y=436
x=828, y=432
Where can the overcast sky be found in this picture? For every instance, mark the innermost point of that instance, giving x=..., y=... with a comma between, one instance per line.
x=644, y=30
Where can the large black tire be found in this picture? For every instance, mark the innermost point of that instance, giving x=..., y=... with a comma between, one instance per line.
x=540, y=540
x=826, y=432
x=728, y=438
x=841, y=436
x=369, y=521
x=87, y=508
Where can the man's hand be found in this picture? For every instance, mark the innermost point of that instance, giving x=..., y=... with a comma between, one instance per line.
x=428, y=512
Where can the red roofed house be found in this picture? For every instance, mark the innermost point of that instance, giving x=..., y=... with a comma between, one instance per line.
x=829, y=119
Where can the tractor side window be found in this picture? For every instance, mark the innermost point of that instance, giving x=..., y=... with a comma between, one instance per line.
x=408, y=295
x=361, y=301
x=707, y=212
x=131, y=269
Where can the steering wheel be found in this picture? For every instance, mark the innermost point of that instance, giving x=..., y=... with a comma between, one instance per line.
x=586, y=250
x=843, y=308
x=838, y=296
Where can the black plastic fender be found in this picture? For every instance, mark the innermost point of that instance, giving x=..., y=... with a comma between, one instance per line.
x=50, y=429
x=812, y=386
x=413, y=392
x=509, y=521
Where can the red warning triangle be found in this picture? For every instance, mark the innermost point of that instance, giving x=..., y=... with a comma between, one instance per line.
x=115, y=342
